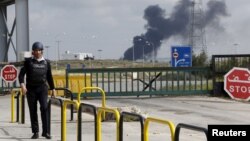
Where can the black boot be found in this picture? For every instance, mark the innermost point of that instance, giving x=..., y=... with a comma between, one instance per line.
x=35, y=136
x=46, y=135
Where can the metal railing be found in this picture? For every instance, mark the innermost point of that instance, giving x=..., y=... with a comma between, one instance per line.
x=94, y=109
x=20, y=105
x=147, y=81
x=67, y=93
x=190, y=127
x=221, y=64
x=160, y=121
x=127, y=114
x=98, y=112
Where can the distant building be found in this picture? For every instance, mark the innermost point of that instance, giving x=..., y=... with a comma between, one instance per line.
x=77, y=56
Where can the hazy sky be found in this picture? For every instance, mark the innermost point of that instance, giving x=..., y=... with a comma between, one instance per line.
x=110, y=25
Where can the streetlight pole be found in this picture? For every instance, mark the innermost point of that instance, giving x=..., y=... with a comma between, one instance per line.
x=143, y=55
x=152, y=44
x=47, y=47
x=133, y=54
x=153, y=54
x=58, y=49
x=58, y=44
x=100, y=55
x=142, y=51
x=236, y=45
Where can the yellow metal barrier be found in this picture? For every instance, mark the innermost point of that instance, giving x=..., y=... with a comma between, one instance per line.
x=99, y=125
x=94, y=88
x=13, y=94
x=65, y=104
x=76, y=82
x=150, y=119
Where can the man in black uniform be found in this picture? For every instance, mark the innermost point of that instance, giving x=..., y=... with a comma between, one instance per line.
x=38, y=77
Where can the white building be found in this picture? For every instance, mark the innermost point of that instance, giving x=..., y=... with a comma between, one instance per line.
x=77, y=56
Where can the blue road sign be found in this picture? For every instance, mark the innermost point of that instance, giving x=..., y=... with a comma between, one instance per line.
x=181, y=56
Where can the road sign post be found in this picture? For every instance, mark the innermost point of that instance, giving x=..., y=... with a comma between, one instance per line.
x=9, y=73
x=237, y=83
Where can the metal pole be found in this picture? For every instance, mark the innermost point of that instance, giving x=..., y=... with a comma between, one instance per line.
x=153, y=54
x=143, y=55
x=22, y=27
x=100, y=53
x=47, y=47
x=48, y=53
x=4, y=32
x=58, y=44
x=58, y=50
x=236, y=45
x=23, y=109
x=133, y=54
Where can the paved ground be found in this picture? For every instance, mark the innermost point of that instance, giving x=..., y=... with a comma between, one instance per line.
x=195, y=110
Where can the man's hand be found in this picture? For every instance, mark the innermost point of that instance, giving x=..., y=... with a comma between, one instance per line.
x=24, y=89
x=53, y=94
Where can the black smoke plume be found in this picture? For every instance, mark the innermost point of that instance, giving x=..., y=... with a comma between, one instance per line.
x=159, y=28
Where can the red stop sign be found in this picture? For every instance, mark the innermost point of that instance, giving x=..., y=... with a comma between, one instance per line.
x=237, y=83
x=9, y=73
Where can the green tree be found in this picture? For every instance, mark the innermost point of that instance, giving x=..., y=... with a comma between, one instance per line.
x=200, y=60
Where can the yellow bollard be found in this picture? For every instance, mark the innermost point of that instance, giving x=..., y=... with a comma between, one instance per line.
x=99, y=125
x=13, y=94
x=12, y=105
x=94, y=88
x=150, y=119
x=65, y=103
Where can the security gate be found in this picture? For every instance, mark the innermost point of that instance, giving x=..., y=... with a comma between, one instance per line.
x=221, y=64
x=147, y=81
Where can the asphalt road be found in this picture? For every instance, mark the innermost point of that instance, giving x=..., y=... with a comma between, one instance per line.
x=194, y=110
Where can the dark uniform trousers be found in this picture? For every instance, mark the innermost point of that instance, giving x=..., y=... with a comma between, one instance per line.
x=34, y=94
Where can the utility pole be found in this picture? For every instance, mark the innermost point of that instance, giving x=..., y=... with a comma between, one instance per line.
x=100, y=53
x=47, y=48
x=197, y=33
x=58, y=49
x=133, y=55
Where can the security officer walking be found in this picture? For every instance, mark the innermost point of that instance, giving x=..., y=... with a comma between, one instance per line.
x=38, y=78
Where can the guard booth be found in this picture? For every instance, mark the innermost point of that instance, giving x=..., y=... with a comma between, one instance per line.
x=221, y=64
